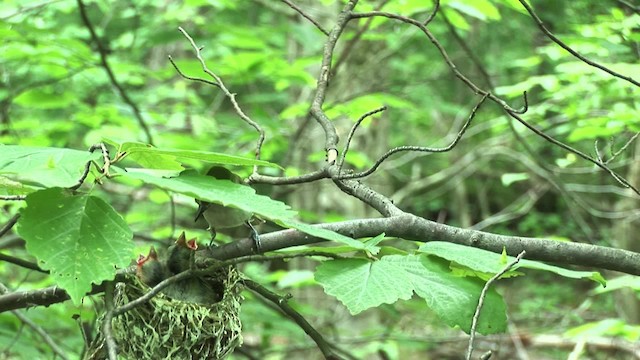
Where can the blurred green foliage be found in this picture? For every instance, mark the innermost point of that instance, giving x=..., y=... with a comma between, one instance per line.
x=55, y=93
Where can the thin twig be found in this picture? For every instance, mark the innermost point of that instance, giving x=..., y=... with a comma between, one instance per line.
x=20, y=262
x=417, y=148
x=83, y=177
x=584, y=156
x=306, y=16
x=112, y=347
x=112, y=77
x=353, y=131
x=228, y=94
x=208, y=82
x=436, y=7
x=9, y=225
x=465, y=47
x=511, y=111
x=570, y=50
x=350, y=45
x=623, y=148
x=483, y=295
x=106, y=158
x=441, y=50
x=13, y=197
x=24, y=9
x=282, y=303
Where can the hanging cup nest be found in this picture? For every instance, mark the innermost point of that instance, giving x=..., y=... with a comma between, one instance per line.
x=165, y=328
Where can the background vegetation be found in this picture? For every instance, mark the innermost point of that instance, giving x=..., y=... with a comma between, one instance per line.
x=60, y=88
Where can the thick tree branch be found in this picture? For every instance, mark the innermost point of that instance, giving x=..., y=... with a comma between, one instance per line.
x=331, y=136
x=411, y=227
x=407, y=226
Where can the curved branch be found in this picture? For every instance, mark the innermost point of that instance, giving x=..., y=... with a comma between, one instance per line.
x=282, y=303
x=511, y=111
x=407, y=226
x=483, y=295
x=20, y=262
x=9, y=225
x=570, y=50
x=227, y=93
x=306, y=16
x=417, y=148
x=105, y=64
x=353, y=131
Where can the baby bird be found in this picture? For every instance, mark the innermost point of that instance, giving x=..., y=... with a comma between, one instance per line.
x=152, y=269
x=181, y=254
x=149, y=268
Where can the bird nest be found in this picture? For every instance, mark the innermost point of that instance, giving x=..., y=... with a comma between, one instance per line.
x=165, y=328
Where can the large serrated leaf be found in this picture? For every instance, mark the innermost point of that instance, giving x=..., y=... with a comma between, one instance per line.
x=239, y=196
x=492, y=263
x=80, y=239
x=42, y=166
x=454, y=299
x=361, y=284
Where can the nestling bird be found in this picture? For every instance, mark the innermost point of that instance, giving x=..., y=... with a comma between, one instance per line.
x=221, y=217
x=149, y=268
x=152, y=269
x=181, y=254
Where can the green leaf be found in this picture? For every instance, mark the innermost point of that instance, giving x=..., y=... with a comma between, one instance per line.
x=621, y=282
x=361, y=284
x=572, y=274
x=456, y=19
x=454, y=299
x=492, y=263
x=145, y=154
x=139, y=152
x=321, y=233
x=80, y=239
x=371, y=244
x=239, y=196
x=223, y=192
x=42, y=166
